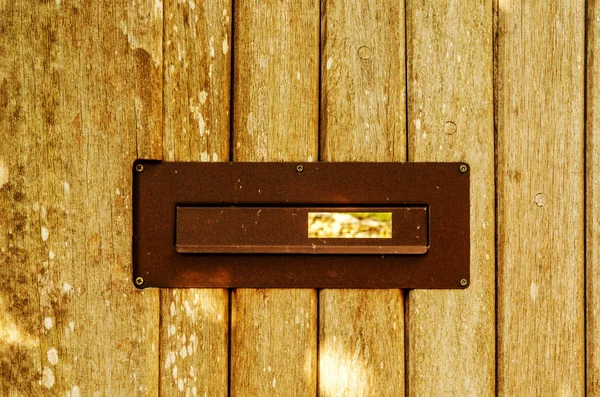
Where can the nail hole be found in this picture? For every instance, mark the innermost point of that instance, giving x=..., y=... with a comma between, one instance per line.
x=364, y=53
x=450, y=128
x=541, y=199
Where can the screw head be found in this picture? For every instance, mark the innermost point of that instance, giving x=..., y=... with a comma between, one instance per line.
x=463, y=282
x=463, y=168
x=139, y=167
x=299, y=168
x=139, y=281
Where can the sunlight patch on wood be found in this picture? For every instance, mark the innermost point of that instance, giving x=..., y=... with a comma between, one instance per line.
x=341, y=375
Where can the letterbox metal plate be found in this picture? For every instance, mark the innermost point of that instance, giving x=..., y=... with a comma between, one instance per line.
x=429, y=246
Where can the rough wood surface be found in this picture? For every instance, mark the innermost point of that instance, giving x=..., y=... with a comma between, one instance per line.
x=593, y=199
x=363, y=99
x=275, y=105
x=194, y=339
x=363, y=118
x=450, y=118
x=276, y=81
x=194, y=342
x=197, y=80
x=273, y=342
x=80, y=84
x=361, y=342
x=540, y=95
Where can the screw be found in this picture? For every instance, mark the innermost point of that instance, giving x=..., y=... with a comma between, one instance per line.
x=139, y=281
x=463, y=282
x=463, y=168
x=139, y=167
x=299, y=168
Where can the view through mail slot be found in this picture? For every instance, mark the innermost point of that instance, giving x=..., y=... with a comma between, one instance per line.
x=350, y=225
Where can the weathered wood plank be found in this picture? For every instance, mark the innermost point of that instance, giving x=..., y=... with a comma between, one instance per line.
x=71, y=110
x=194, y=322
x=273, y=342
x=540, y=115
x=593, y=199
x=197, y=80
x=363, y=76
x=194, y=342
x=276, y=81
x=361, y=343
x=276, y=96
x=450, y=118
x=363, y=118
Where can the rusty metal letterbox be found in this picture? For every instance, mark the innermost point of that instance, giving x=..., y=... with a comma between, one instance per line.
x=310, y=225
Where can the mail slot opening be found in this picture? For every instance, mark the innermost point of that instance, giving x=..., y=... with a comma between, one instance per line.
x=349, y=225
x=283, y=230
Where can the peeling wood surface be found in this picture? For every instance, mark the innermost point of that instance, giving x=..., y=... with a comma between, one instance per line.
x=450, y=118
x=73, y=114
x=363, y=118
x=593, y=199
x=275, y=105
x=197, y=71
x=194, y=342
x=540, y=116
x=194, y=332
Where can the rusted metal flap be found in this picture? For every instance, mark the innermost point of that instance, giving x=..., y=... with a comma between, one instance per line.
x=283, y=230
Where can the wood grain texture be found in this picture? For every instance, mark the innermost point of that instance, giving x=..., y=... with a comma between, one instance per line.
x=194, y=340
x=276, y=96
x=361, y=342
x=363, y=118
x=593, y=199
x=363, y=99
x=273, y=342
x=276, y=76
x=71, y=112
x=540, y=115
x=197, y=80
x=450, y=118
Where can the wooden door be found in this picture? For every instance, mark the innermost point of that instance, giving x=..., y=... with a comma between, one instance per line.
x=86, y=87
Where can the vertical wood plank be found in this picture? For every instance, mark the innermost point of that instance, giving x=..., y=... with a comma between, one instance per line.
x=593, y=199
x=363, y=118
x=275, y=113
x=363, y=72
x=197, y=80
x=194, y=322
x=72, y=117
x=540, y=115
x=450, y=118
